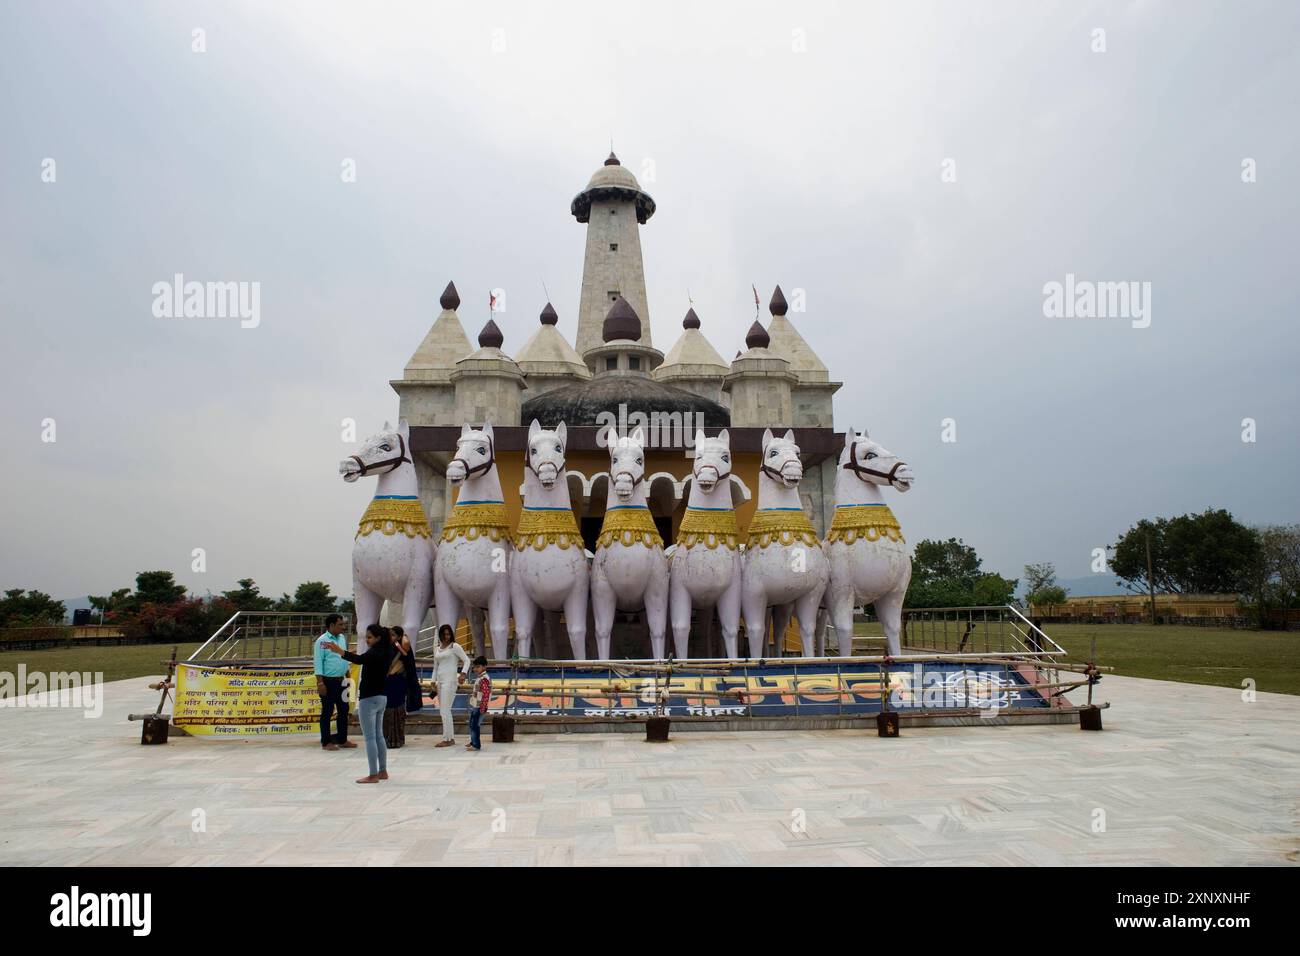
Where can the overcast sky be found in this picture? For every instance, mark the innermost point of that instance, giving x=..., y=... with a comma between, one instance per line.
x=794, y=143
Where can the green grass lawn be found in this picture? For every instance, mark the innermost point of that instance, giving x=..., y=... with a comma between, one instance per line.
x=1196, y=655
x=115, y=661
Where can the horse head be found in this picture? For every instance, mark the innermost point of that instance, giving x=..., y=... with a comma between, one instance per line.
x=873, y=463
x=712, y=460
x=475, y=454
x=780, y=459
x=380, y=454
x=627, y=463
x=546, y=452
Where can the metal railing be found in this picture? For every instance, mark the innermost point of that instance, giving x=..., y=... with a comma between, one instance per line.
x=265, y=635
x=997, y=629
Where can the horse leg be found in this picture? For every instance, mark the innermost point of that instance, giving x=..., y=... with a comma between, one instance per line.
x=477, y=626
x=575, y=613
x=679, y=612
x=525, y=612
x=821, y=631
x=368, y=603
x=499, y=619
x=729, y=611
x=889, y=609
x=602, y=610
x=753, y=603
x=840, y=604
x=781, y=614
x=416, y=597
x=805, y=609
x=656, y=610
x=446, y=603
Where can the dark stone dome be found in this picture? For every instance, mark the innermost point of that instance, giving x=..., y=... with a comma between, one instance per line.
x=580, y=403
x=621, y=322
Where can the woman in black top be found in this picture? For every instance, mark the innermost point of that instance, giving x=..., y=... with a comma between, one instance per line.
x=371, y=696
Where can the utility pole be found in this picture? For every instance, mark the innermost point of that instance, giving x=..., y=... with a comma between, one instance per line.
x=1151, y=581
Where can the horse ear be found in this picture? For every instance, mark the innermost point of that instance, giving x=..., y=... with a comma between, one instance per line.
x=789, y=435
x=562, y=434
x=849, y=436
x=403, y=428
x=387, y=425
x=638, y=436
x=487, y=429
x=699, y=438
x=725, y=437
x=533, y=429
x=767, y=438
x=464, y=430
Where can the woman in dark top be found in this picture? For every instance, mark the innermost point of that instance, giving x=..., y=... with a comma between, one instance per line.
x=403, y=690
x=372, y=699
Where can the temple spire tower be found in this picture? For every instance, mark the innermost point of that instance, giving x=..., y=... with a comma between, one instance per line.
x=614, y=207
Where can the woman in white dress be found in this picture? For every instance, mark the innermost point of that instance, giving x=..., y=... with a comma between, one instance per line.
x=447, y=676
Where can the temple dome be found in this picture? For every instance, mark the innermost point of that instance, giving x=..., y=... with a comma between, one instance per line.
x=582, y=402
x=612, y=181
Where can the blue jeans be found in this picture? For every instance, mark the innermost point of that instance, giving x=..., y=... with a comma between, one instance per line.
x=475, y=719
x=371, y=714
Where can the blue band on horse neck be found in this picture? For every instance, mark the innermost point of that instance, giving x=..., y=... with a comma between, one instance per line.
x=626, y=507
x=703, y=508
x=545, y=508
x=865, y=504
x=486, y=501
x=780, y=509
x=395, y=498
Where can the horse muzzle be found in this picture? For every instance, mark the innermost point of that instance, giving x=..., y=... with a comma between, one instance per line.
x=792, y=473
x=456, y=472
x=349, y=470
x=707, y=477
x=547, y=472
x=623, y=485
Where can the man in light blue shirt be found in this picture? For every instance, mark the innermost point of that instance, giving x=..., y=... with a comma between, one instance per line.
x=330, y=671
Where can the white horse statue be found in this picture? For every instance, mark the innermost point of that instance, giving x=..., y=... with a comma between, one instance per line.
x=472, y=569
x=868, y=556
x=549, y=569
x=705, y=570
x=392, y=556
x=784, y=563
x=628, y=572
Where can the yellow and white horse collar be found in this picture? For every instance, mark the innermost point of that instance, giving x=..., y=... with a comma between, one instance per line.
x=540, y=527
x=629, y=525
x=871, y=522
x=390, y=514
x=782, y=526
x=710, y=527
x=474, y=519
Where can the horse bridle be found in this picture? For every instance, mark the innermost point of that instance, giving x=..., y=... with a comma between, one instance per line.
x=853, y=466
x=395, y=462
x=528, y=461
x=768, y=470
x=483, y=466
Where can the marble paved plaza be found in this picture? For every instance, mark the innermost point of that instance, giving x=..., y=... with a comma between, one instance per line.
x=1183, y=774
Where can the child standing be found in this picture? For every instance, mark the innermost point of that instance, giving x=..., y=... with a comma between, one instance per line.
x=479, y=695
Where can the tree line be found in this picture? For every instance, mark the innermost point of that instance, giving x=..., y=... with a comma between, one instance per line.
x=160, y=609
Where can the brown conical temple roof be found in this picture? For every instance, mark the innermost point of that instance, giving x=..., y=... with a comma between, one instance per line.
x=548, y=315
x=692, y=321
x=778, y=305
x=757, y=337
x=450, y=298
x=621, y=322
x=491, y=337
x=612, y=160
